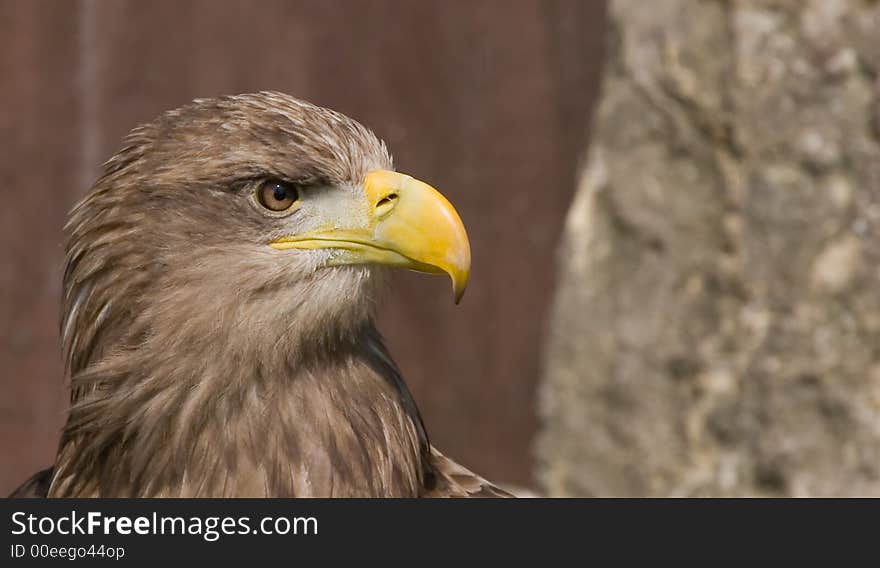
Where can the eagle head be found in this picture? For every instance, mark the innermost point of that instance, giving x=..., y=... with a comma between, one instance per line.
x=259, y=222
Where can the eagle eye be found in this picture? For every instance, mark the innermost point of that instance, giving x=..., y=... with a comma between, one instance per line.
x=276, y=195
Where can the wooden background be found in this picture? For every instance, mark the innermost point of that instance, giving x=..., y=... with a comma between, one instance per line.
x=489, y=101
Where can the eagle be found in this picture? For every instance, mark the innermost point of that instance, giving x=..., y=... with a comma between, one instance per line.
x=221, y=283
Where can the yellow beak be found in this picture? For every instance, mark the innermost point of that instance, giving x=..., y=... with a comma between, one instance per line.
x=407, y=224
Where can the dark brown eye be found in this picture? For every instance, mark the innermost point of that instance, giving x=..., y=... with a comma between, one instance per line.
x=276, y=195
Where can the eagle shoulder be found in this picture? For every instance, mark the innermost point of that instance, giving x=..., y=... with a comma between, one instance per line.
x=454, y=480
x=35, y=487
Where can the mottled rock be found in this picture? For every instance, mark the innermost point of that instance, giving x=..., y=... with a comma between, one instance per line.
x=716, y=329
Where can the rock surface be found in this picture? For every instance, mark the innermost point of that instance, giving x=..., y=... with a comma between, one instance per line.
x=716, y=329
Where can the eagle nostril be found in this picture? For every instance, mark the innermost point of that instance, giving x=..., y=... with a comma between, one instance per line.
x=386, y=204
x=387, y=199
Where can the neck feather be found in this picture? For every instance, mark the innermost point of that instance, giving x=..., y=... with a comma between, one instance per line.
x=339, y=423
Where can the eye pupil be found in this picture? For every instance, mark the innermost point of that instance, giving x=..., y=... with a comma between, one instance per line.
x=280, y=192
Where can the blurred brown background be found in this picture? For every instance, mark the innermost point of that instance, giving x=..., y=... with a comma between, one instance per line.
x=489, y=101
